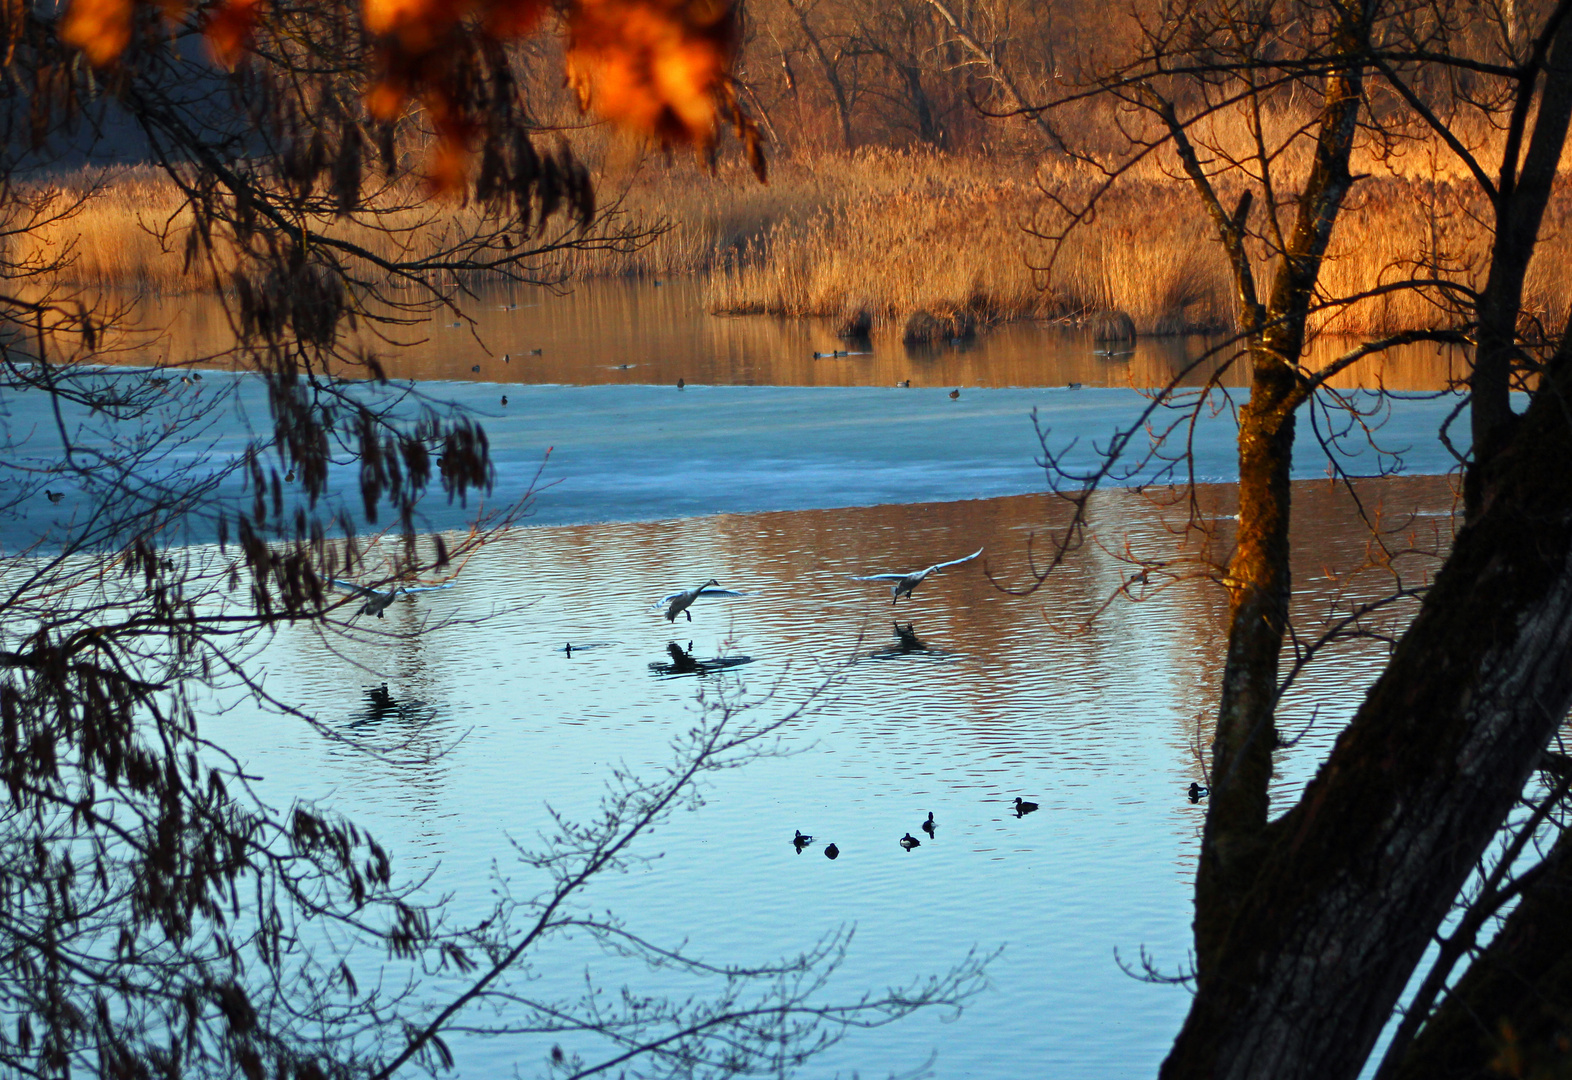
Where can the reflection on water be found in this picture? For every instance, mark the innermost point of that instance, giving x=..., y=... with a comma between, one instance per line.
x=1099, y=726
x=624, y=331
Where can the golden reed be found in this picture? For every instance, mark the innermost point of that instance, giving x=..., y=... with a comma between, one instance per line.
x=893, y=232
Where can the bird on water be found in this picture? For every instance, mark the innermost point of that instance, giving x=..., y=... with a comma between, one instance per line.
x=928, y=826
x=955, y=393
x=54, y=496
x=801, y=841
x=1197, y=792
x=1022, y=807
x=677, y=603
x=909, y=841
x=831, y=851
x=905, y=583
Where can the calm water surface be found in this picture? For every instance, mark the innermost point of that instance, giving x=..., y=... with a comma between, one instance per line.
x=991, y=696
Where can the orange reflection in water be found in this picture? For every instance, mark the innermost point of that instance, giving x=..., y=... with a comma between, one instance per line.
x=623, y=331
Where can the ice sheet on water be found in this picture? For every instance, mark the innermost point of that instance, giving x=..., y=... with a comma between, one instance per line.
x=631, y=453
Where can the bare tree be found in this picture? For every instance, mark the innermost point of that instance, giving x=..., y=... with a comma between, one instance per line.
x=1309, y=924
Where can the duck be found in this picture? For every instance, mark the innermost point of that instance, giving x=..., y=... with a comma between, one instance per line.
x=1072, y=386
x=504, y=399
x=53, y=496
x=536, y=352
x=955, y=394
x=475, y=368
x=677, y=603
x=681, y=383
x=928, y=826
x=1197, y=791
x=1022, y=807
x=909, y=841
x=801, y=841
x=905, y=583
x=831, y=851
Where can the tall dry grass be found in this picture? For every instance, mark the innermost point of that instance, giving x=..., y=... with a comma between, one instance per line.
x=895, y=232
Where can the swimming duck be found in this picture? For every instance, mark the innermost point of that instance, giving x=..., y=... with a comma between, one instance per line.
x=54, y=496
x=801, y=841
x=1022, y=807
x=954, y=394
x=905, y=583
x=909, y=841
x=1197, y=792
x=831, y=851
x=928, y=826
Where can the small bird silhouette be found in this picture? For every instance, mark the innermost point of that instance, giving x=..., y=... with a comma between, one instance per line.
x=536, y=352
x=1022, y=807
x=504, y=399
x=904, y=382
x=476, y=369
x=831, y=851
x=909, y=841
x=1072, y=386
x=801, y=841
x=681, y=383
x=506, y=357
x=928, y=826
x=289, y=477
x=54, y=496
x=955, y=393
x=1197, y=792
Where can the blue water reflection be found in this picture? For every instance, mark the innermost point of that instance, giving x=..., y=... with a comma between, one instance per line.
x=954, y=702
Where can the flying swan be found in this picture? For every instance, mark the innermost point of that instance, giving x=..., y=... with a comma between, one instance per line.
x=905, y=583
x=677, y=603
x=377, y=602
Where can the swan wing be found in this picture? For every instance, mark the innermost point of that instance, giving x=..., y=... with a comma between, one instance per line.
x=722, y=592
x=956, y=562
x=358, y=590
x=424, y=588
x=669, y=597
x=882, y=577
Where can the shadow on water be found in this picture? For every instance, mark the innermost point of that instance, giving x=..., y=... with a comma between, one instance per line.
x=683, y=662
x=908, y=645
x=381, y=707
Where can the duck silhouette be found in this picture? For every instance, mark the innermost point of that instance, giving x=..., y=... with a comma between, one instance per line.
x=909, y=841
x=831, y=851
x=955, y=394
x=928, y=826
x=1022, y=807
x=801, y=841
x=1197, y=792
x=54, y=496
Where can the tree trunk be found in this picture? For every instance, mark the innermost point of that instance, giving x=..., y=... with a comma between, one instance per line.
x=1361, y=872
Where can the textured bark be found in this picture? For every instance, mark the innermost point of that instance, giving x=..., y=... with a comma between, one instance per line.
x=1259, y=577
x=1522, y=982
x=1361, y=872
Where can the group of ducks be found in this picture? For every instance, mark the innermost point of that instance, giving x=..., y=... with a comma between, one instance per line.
x=907, y=842
x=678, y=603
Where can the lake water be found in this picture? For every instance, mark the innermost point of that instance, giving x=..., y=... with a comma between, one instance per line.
x=954, y=701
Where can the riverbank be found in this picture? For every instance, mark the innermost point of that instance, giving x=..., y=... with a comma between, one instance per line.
x=881, y=235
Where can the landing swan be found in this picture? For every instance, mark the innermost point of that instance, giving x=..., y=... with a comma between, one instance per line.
x=905, y=583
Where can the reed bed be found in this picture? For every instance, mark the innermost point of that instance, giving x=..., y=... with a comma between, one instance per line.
x=890, y=233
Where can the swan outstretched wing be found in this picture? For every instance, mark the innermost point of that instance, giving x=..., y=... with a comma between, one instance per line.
x=424, y=588
x=955, y=562
x=722, y=592
x=358, y=590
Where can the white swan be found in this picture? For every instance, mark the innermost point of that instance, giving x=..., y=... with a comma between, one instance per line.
x=905, y=583
x=377, y=602
x=677, y=603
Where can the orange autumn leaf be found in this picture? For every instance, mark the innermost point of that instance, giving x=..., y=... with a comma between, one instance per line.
x=654, y=66
x=100, y=28
x=230, y=28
